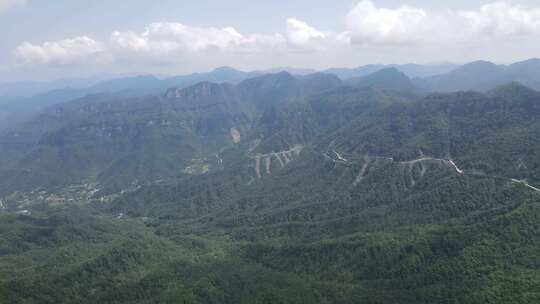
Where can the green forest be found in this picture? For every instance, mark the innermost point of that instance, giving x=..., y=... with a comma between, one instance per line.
x=334, y=194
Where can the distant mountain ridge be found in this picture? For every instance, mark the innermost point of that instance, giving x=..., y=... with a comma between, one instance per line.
x=483, y=76
x=388, y=78
x=411, y=70
x=278, y=189
x=478, y=76
x=164, y=132
x=95, y=84
x=431, y=74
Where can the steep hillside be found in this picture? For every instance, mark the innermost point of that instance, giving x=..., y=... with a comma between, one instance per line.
x=491, y=133
x=281, y=189
x=30, y=98
x=389, y=79
x=139, y=140
x=411, y=70
x=483, y=76
x=390, y=205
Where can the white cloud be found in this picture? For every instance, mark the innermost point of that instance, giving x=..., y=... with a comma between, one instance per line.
x=371, y=34
x=60, y=52
x=166, y=38
x=130, y=41
x=7, y=4
x=503, y=19
x=302, y=36
x=300, y=33
x=368, y=24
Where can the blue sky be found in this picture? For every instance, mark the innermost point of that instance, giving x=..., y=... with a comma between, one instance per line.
x=45, y=39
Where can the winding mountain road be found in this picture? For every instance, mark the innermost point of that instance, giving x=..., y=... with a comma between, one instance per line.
x=525, y=183
x=283, y=157
x=450, y=162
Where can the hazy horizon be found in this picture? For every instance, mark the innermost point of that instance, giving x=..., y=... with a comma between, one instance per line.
x=109, y=76
x=270, y=152
x=79, y=39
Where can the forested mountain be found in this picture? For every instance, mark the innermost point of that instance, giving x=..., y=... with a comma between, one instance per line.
x=21, y=101
x=478, y=75
x=411, y=70
x=19, y=108
x=141, y=139
x=278, y=189
x=390, y=79
x=32, y=88
x=484, y=75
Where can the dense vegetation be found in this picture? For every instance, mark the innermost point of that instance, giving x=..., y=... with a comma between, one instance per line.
x=322, y=193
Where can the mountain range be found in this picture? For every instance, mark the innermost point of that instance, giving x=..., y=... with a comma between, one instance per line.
x=484, y=75
x=232, y=187
x=19, y=101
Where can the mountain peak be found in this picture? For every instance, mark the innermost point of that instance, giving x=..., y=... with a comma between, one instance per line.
x=388, y=78
x=480, y=63
x=284, y=74
x=200, y=90
x=514, y=88
x=271, y=80
x=320, y=75
x=478, y=66
x=290, y=70
x=225, y=69
x=532, y=65
x=389, y=71
x=529, y=61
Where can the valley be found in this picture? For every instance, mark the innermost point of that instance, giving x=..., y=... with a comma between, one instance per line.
x=270, y=152
x=276, y=189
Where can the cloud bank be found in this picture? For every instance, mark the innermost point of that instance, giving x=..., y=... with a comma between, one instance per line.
x=501, y=19
x=8, y=4
x=61, y=52
x=368, y=24
x=167, y=38
x=369, y=31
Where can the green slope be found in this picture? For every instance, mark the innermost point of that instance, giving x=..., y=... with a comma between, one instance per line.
x=342, y=195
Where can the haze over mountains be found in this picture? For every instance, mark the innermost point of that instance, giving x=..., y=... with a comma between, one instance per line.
x=18, y=101
x=382, y=184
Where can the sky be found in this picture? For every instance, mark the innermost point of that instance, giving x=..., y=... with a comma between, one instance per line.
x=50, y=39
